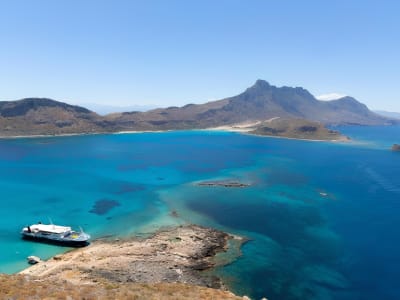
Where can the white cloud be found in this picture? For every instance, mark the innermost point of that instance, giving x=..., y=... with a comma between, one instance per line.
x=331, y=96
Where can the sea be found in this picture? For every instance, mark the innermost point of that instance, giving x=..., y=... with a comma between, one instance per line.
x=321, y=219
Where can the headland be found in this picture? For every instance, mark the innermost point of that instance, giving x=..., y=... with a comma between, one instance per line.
x=180, y=256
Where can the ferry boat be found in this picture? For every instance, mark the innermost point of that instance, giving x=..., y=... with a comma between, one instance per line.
x=55, y=234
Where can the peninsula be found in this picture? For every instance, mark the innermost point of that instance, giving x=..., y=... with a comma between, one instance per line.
x=172, y=263
x=287, y=128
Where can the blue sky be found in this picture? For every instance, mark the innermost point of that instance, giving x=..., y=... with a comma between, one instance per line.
x=177, y=52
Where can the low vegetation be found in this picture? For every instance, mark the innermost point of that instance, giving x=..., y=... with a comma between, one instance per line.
x=297, y=129
x=26, y=287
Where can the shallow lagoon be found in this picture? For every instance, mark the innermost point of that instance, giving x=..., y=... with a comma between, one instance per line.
x=322, y=218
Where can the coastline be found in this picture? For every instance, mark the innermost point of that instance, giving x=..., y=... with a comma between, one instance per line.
x=178, y=254
x=243, y=128
x=247, y=128
x=345, y=139
x=5, y=137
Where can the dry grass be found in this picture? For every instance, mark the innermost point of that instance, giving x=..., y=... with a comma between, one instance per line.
x=31, y=288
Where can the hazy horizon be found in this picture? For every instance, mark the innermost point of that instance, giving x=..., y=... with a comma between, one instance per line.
x=109, y=107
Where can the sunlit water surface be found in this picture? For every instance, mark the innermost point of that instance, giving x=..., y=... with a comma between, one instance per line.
x=322, y=218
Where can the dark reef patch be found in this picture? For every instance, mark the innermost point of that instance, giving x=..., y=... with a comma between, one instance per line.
x=103, y=206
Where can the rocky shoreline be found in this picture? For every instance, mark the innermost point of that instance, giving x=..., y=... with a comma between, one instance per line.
x=171, y=255
x=396, y=148
x=224, y=183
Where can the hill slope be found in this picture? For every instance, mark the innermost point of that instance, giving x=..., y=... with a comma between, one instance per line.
x=260, y=102
x=41, y=116
x=27, y=287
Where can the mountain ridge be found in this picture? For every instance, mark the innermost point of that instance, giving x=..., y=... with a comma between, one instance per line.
x=388, y=114
x=259, y=102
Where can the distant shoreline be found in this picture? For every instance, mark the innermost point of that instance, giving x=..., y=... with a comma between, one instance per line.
x=345, y=139
x=79, y=134
x=233, y=129
x=248, y=127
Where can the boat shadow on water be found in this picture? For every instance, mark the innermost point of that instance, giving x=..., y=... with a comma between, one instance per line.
x=56, y=243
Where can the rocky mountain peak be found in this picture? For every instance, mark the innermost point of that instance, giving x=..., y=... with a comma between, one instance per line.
x=260, y=83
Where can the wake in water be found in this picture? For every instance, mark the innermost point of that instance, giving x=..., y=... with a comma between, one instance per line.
x=382, y=181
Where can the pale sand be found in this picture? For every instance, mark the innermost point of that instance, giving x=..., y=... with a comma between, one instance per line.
x=247, y=127
x=241, y=127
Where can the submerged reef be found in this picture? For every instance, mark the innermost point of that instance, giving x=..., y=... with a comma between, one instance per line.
x=103, y=206
x=292, y=252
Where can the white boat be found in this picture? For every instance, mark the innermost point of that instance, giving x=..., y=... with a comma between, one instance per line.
x=55, y=234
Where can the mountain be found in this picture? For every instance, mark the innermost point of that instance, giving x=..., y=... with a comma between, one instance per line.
x=103, y=110
x=41, y=116
x=388, y=114
x=260, y=102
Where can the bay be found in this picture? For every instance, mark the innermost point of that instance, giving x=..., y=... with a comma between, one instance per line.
x=321, y=218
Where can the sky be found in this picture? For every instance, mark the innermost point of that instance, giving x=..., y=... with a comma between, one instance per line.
x=175, y=52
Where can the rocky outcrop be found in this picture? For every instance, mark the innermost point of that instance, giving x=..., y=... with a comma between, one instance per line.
x=179, y=254
x=224, y=183
x=396, y=148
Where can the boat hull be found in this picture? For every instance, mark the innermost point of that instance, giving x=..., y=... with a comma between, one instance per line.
x=56, y=240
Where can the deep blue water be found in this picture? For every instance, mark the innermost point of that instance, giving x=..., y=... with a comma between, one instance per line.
x=322, y=218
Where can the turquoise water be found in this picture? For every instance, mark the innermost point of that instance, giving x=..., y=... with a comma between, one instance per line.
x=322, y=218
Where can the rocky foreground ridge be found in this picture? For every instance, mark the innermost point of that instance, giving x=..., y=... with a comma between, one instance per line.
x=260, y=102
x=28, y=287
x=171, y=264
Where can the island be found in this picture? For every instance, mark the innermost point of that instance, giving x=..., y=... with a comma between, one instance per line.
x=396, y=148
x=173, y=263
x=224, y=183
